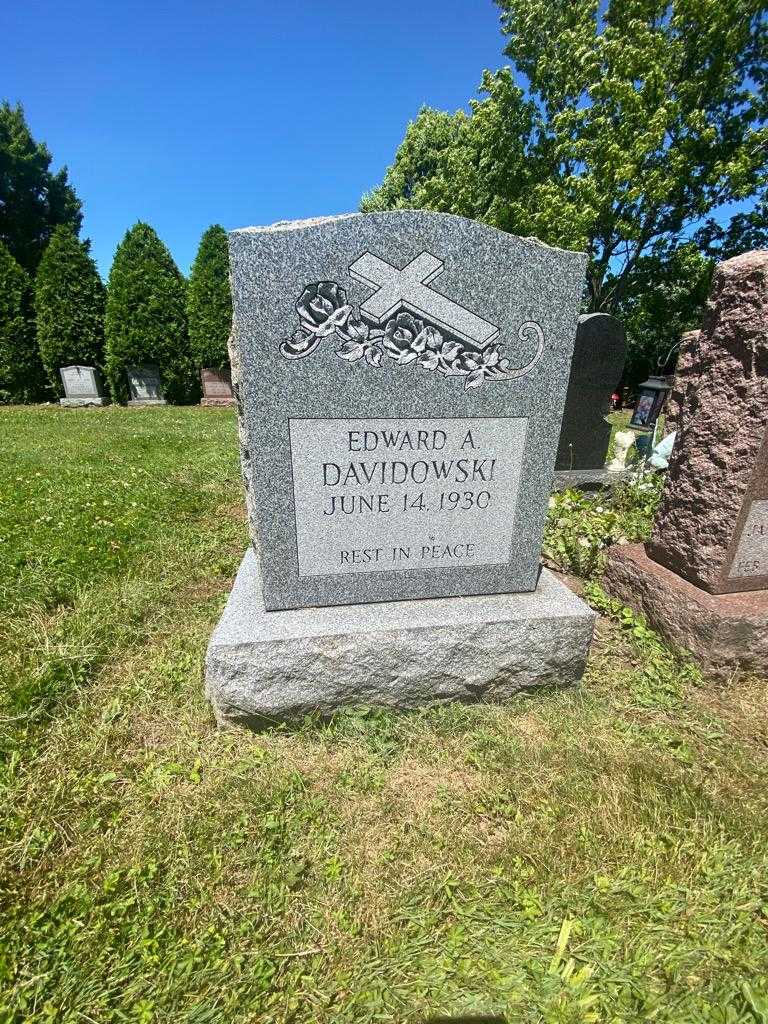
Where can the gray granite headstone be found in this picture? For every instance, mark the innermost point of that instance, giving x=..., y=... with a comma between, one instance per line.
x=599, y=355
x=144, y=385
x=401, y=378
x=82, y=386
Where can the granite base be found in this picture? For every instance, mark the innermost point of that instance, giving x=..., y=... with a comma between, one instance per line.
x=146, y=401
x=267, y=666
x=79, y=403
x=218, y=403
x=727, y=633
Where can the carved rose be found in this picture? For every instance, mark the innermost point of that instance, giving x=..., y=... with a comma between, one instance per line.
x=322, y=307
x=404, y=337
x=433, y=338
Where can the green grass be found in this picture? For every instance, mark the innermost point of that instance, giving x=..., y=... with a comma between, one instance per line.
x=596, y=854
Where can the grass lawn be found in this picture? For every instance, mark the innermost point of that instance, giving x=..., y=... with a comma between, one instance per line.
x=596, y=854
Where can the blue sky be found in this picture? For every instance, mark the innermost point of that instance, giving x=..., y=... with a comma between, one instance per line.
x=187, y=113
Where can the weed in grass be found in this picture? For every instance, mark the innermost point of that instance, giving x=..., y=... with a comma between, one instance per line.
x=581, y=527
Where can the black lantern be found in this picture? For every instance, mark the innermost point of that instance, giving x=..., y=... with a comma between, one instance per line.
x=653, y=392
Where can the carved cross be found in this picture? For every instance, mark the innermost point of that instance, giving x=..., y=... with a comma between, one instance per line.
x=409, y=289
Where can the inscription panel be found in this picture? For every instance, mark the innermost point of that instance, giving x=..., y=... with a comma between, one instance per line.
x=752, y=553
x=384, y=495
x=217, y=388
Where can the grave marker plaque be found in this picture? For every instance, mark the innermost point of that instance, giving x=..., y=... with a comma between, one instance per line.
x=751, y=558
x=144, y=385
x=82, y=386
x=746, y=565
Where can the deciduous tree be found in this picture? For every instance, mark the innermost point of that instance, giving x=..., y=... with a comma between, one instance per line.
x=666, y=296
x=623, y=125
x=745, y=231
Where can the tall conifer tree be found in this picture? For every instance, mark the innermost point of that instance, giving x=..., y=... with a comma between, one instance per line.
x=146, y=319
x=209, y=301
x=33, y=200
x=21, y=373
x=69, y=306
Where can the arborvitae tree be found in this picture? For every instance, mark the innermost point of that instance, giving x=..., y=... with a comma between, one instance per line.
x=209, y=301
x=21, y=372
x=33, y=201
x=146, y=319
x=69, y=306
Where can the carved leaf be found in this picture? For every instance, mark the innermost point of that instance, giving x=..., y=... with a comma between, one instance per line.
x=392, y=349
x=374, y=355
x=419, y=343
x=474, y=380
x=351, y=350
x=337, y=319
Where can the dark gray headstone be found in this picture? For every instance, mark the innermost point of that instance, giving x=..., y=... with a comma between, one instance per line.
x=144, y=385
x=402, y=378
x=598, y=363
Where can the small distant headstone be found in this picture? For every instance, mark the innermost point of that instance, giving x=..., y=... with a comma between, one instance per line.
x=144, y=385
x=710, y=536
x=401, y=378
x=217, y=387
x=599, y=355
x=82, y=386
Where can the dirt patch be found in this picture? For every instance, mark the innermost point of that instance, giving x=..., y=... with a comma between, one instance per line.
x=419, y=785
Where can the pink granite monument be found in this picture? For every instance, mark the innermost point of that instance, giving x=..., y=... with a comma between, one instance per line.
x=702, y=579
